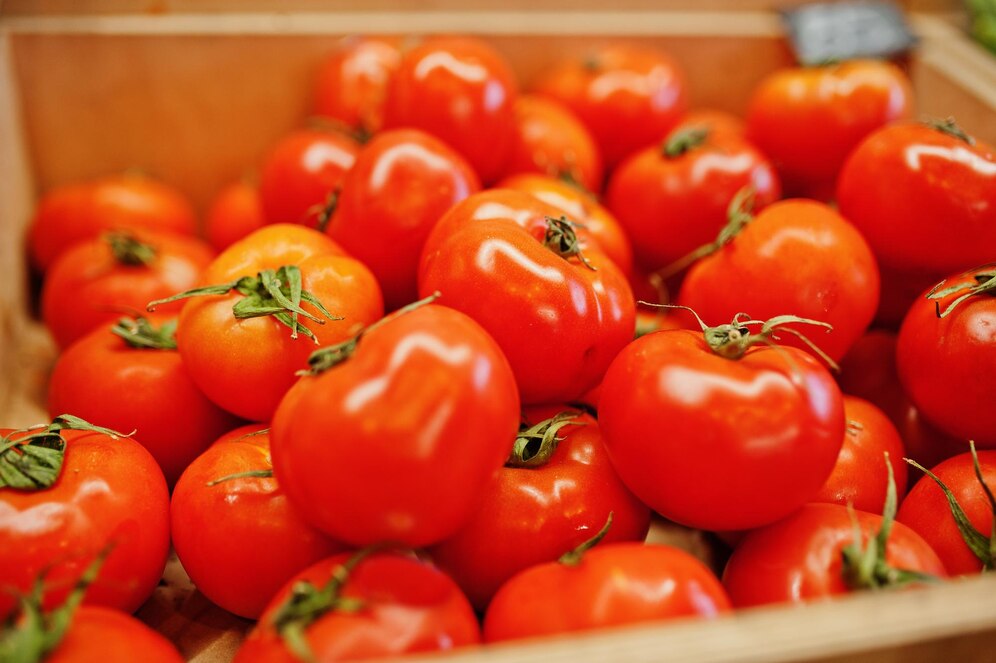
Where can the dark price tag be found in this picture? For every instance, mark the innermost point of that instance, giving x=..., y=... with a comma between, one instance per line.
x=836, y=31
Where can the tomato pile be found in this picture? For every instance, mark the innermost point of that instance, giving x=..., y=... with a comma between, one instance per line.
x=428, y=378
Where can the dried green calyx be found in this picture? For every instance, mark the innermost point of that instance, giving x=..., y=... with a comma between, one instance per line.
x=142, y=334
x=985, y=284
x=128, y=250
x=574, y=557
x=684, y=140
x=535, y=445
x=562, y=239
x=950, y=127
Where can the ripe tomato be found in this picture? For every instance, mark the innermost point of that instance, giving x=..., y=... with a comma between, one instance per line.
x=100, y=635
x=923, y=197
x=133, y=379
x=373, y=450
x=550, y=497
x=614, y=584
x=795, y=257
x=947, y=364
x=573, y=311
x=301, y=171
x=402, y=183
x=241, y=528
x=628, y=96
x=672, y=197
x=809, y=119
x=715, y=121
x=762, y=432
x=385, y=605
x=98, y=280
x=461, y=91
x=352, y=82
x=800, y=558
x=235, y=212
x=130, y=201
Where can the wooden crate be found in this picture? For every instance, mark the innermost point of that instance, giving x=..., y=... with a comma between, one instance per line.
x=195, y=97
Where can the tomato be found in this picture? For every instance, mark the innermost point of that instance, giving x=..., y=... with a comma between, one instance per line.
x=375, y=448
x=924, y=198
x=715, y=121
x=106, y=491
x=946, y=356
x=352, y=82
x=301, y=171
x=795, y=257
x=133, y=379
x=571, y=311
x=614, y=584
x=550, y=497
x=762, y=432
x=401, y=184
x=97, y=281
x=800, y=558
x=628, y=96
x=235, y=212
x=100, y=635
x=462, y=91
x=672, y=197
x=927, y=512
x=809, y=119
x=860, y=476
x=403, y=606
x=241, y=528
x=130, y=201
x=550, y=139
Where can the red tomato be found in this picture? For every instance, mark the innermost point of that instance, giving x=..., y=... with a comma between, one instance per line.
x=402, y=183
x=99, y=635
x=70, y=214
x=860, y=476
x=572, y=312
x=672, y=198
x=405, y=606
x=809, y=119
x=133, y=379
x=795, y=257
x=924, y=199
x=235, y=212
x=716, y=121
x=108, y=491
x=550, y=139
x=352, y=83
x=463, y=92
x=241, y=528
x=98, y=280
x=301, y=171
x=550, y=497
x=373, y=449
x=947, y=364
x=799, y=558
x=615, y=584
x=762, y=431
x=628, y=96
x=927, y=512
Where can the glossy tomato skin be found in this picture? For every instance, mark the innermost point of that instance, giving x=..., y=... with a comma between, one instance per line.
x=948, y=365
x=462, y=91
x=568, y=320
x=100, y=635
x=676, y=417
x=235, y=212
x=672, y=205
x=924, y=200
x=925, y=510
x=614, y=584
x=796, y=257
x=352, y=82
x=129, y=201
x=300, y=172
x=242, y=528
x=628, y=96
x=809, y=119
x=402, y=183
x=534, y=515
x=110, y=491
x=87, y=287
x=107, y=382
x=798, y=559
x=374, y=449
x=860, y=477
x=408, y=607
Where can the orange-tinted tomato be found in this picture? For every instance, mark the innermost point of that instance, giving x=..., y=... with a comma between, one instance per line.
x=352, y=82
